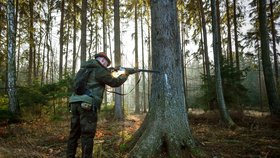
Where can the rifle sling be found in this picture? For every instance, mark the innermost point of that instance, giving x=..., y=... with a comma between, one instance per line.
x=123, y=94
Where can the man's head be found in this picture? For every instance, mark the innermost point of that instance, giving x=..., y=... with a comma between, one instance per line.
x=103, y=59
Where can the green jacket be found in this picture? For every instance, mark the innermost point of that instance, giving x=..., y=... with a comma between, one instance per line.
x=99, y=77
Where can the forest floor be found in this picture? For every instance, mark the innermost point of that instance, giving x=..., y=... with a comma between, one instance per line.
x=258, y=135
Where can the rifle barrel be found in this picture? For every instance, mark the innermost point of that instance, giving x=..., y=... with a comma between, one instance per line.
x=144, y=70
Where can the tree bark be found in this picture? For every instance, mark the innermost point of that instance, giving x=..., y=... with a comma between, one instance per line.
x=104, y=19
x=143, y=62
x=11, y=80
x=236, y=37
x=61, y=40
x=273, y=98
x=84, y=31
x=74, y=38
x=31, y=43
x=165, y=130
x=205, y=46
x=273, y=33
x=136, y=102
x=118, y=98
x=229, y=33
x=217, y=51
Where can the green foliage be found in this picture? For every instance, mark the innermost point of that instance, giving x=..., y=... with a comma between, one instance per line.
x=4, y=115
x=60, y=89
x=33, y=98
x=235, y=92
x=123, y=147
x=30, y=96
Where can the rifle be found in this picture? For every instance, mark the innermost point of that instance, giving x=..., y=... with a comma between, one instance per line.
x=131, y=70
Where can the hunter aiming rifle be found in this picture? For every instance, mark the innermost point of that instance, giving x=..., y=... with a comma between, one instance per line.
x=116, y=71
x=121, y=70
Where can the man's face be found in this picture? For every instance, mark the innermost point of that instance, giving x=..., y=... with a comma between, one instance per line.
x=103, y=61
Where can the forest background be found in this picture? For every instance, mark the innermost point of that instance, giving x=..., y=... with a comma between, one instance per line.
x=49, y=50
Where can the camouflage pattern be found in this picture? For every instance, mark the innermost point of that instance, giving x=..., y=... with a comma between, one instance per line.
x=84, y=121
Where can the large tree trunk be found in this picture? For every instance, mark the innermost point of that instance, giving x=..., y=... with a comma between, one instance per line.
x=118, y=98
x=165, y=130
x=11, y=89
x=273, y=98
x=217, y=51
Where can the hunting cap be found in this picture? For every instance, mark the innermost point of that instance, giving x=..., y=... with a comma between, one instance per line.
x=104, y=55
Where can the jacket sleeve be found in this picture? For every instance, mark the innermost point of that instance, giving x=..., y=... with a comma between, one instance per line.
x=104, y=76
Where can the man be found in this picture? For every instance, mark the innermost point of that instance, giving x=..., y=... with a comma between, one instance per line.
x=84, y=107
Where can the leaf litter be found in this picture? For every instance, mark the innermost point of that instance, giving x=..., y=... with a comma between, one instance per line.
x=257, y=136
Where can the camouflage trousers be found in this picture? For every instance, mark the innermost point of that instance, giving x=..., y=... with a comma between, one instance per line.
x=83, y=125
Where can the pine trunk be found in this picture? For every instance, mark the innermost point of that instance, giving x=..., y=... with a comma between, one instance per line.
x=137, y=105
x=236, y=36
x=273, y=98
x=61, y=40
x=165, y=131
x=217, y=52
x=273, y=33
x=84, y=31
x=118, y=98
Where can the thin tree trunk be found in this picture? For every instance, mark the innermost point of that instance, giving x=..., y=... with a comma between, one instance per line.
x=104, y=19
x=273, y=98
x=273, y=33
x=84, y=31
x=67, y=48
x=236, y=36
x=205, y=46
x=229, y=34
x=118, y=98
x=143, y=62
x=136, y=102
x=74, y=39
x=18, y=43
x=31, y=43
x=217, y=51
x=96, y=30
x=91, y=29
x=149, y=51
x=61, y=42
